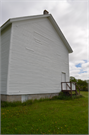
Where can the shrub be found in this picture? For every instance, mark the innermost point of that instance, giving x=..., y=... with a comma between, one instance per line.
x=66, y=96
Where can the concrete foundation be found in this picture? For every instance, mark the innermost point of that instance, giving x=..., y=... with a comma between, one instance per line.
x=22, y=98
x=10, y=98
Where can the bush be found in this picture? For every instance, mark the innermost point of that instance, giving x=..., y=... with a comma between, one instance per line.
x=84, y=88
x=66, y=96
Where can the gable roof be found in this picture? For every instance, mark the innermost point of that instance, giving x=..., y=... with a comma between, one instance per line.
x=50, y=17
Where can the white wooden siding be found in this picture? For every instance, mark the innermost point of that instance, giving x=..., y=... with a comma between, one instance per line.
x=0, y=60
x=5, y=45
x=37, y=58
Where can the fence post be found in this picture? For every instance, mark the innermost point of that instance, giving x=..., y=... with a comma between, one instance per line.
x=71, y=88
x=75, y=89
x=61, y=86
x=66, y=86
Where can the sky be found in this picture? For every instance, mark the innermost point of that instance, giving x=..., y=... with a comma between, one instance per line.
x=72, y=16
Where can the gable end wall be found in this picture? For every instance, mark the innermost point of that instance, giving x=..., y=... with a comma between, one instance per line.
x=37, y=58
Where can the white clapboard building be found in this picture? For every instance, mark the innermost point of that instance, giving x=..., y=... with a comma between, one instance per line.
x=34, y=58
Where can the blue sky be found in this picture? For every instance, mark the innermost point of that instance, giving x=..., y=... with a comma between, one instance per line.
x=85, y=61
x=82, y=71
x=79, y=65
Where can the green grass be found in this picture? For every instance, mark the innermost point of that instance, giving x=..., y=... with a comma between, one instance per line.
x=55, y=116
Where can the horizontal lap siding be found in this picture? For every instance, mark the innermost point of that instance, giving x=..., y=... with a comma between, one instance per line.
x=35, y=62
x=5, y=46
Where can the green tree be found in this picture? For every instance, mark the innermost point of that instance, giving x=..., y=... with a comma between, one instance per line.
x=73, y=79
x=81, y=83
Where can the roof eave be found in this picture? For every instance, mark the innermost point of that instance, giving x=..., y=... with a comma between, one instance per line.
x=11, y=20
x=60, y=34
x=5, y=24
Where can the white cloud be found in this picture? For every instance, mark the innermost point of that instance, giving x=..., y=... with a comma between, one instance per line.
x=80, y=72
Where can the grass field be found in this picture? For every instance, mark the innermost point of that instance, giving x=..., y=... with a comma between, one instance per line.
x=47, y=117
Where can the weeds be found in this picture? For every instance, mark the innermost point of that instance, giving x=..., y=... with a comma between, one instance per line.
x=61, y=96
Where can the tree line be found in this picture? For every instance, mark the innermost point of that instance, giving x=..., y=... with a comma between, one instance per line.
x=81, y=83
